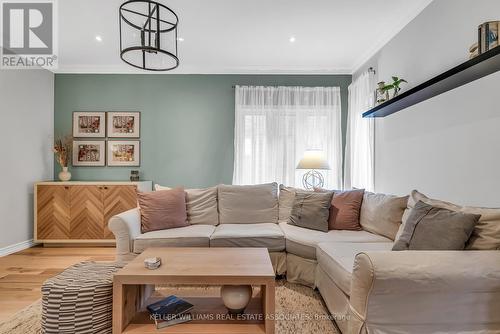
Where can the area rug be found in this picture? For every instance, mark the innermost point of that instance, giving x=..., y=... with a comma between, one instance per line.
x=299, y=309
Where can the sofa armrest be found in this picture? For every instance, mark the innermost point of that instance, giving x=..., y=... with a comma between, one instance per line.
x=425, y=291
x=126, y=226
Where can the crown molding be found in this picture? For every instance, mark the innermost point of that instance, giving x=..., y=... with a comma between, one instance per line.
x=249, y=70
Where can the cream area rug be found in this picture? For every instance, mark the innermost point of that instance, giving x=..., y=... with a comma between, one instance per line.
x=299, y=309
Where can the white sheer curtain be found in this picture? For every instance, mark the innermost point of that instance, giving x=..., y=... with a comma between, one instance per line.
x=360, y=137
x=275, y=125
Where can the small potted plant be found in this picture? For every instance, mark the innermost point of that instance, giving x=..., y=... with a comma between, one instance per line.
x=62, y=149
x=396, y=82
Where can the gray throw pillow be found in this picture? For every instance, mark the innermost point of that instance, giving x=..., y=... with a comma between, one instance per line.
x=433, y=228
x=311, y=210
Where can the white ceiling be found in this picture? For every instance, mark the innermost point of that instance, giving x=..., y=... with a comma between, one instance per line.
x=237, y=36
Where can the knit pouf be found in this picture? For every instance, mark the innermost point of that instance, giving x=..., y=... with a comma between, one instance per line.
x=80, y=299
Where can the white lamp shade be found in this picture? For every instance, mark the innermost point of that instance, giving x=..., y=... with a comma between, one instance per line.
x=313, y=159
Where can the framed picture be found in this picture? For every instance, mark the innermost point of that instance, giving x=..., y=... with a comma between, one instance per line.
x=124, y=153
x=89, y=124
x=89, y=153
x=124, y=124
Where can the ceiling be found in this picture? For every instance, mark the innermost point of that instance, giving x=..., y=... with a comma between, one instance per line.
x=237, y=36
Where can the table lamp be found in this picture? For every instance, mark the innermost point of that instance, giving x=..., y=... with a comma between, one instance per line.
x=313, y=160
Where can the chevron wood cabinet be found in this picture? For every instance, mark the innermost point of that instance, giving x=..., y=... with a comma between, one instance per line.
x=78, y=212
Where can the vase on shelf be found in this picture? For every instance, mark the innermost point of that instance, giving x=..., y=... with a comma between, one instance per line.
x=381, y=95
x=64, y=175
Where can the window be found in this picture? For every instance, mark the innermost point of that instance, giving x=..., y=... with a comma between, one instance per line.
x=275, y=125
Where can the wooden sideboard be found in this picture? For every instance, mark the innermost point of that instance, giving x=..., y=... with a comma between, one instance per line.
x=78, y=212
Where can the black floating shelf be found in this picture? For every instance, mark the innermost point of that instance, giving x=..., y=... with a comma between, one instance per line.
x=478, y=67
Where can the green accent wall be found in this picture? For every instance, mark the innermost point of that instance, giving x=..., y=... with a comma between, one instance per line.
x=187, y=121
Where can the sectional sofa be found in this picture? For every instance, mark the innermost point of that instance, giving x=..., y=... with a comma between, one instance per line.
x=367, y=287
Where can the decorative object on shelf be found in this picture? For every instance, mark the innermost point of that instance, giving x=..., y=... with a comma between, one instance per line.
x=170, y=311
x=124, y=153
x=396, y=82
x=236, y=297
x=381, y=94
x=487, y=36
x=313, y=160
x=474, y=50
x=134, y=175
x=62, y=150
x=473, y=69
x=124, y=124
x=89, y=153
x=89, y=124
x=148, y=35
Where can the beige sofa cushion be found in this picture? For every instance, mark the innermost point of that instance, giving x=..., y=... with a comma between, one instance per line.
x=267, y=235
x=201, y=205
x=302, y=242
x=189, y=236
x=286, y=198
x=486, y=234
x=382, y=214
x=337, y=259
x=253, y=204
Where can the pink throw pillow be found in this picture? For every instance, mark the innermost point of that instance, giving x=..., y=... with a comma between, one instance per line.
x=161, y=210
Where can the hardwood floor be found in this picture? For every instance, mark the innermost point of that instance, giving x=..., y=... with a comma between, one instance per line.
x=22, y=273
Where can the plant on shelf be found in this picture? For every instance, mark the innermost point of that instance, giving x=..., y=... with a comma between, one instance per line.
x=63, y=147
x=382, y=92
x=396, y=82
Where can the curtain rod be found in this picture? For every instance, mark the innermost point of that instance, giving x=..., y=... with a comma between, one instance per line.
x=370, y=69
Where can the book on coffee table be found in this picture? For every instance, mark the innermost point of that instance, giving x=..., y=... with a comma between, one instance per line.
x=170, y=311
x=178, y=320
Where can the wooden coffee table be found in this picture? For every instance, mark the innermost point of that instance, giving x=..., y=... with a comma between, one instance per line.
x=134, y=288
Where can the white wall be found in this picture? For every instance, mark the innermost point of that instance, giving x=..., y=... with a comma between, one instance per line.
x=27, y=123
x=447, y=147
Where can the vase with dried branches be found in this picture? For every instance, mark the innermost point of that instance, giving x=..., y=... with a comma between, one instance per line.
x=63, y=147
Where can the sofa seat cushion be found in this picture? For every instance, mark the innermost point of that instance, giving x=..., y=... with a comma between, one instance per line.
x=337, y=259
x=266, y=235
x=189, y=236
x=302, y=242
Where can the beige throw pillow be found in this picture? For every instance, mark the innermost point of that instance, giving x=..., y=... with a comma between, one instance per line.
x=250, y=204
x=382, y=214
x=486, y=234
x=201, y=205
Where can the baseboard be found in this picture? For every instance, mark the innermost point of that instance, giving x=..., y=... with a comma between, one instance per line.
x=16, y=247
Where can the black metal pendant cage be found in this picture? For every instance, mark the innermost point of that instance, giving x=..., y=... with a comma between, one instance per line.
x=148, y=35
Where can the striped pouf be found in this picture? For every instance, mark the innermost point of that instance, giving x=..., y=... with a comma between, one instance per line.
x=80, y=299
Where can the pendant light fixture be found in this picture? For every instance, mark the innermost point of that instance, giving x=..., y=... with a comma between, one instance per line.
x=148, y=35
